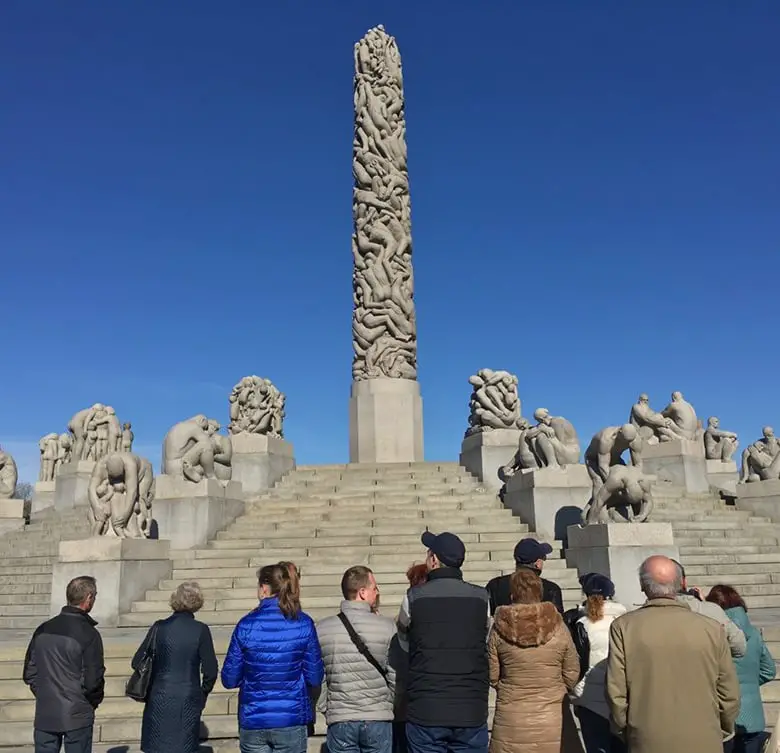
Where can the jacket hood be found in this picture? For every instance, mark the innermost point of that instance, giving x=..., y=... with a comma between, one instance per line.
x=739, y=617
x=528, y=625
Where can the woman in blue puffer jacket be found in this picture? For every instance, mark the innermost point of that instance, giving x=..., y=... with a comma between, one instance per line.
x=754, y=669
x=274, y=658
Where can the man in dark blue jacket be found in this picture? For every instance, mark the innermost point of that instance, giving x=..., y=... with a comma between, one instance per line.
x=64, y=669
x=444, y=624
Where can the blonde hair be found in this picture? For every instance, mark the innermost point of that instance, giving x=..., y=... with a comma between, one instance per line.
x=594, y=607
x=187, y=597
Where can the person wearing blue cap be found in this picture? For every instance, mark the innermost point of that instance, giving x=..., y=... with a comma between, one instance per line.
x=589, y=625
x=531, y=555
x=443, y=624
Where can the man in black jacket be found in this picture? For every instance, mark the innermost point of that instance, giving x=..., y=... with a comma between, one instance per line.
x=443, y=624
x=64, y=669
x=530, y=554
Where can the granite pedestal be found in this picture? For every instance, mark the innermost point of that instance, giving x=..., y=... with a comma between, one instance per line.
x=189, y=514
x=723, y=475
x=259, y=461
x=11, y=515
x=549, y=500
x=43, y=495
x=762, y=498
x=124, y=568
x=680, y=462
x=72, y=484
x=484, y=452
x=385, y=421
x=617, y=550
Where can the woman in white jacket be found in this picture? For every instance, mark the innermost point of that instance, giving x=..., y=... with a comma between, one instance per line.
x=590, y=630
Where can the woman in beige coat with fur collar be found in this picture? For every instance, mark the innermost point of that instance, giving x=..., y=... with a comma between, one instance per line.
x=533, y=663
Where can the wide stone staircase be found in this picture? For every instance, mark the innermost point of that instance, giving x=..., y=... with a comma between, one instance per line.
x=26, y=560
x=326, y=518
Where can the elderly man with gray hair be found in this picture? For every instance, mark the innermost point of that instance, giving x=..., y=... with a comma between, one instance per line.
x=671, y=681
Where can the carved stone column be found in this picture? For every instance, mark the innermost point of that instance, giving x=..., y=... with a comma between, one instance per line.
x=385, y=413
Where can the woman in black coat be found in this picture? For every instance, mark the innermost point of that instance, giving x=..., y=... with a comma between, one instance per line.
x=183, y=651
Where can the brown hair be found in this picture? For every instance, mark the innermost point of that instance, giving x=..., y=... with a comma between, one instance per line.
x=295, y=577
x=79, y=589
x=594, y=607
x=726, y=597
x=417, y=574
x=277, y=578
x=525, y=587
x=353, y=580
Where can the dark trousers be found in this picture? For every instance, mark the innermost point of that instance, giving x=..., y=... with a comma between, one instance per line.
x=747, y=742
x=596, y=734
x=76, y=741
x=446, y=739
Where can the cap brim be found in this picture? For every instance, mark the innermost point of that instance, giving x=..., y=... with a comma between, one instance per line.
x=546, y=548
x=428, y=539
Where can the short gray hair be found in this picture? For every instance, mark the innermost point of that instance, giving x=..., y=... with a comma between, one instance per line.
x=654, y=590
x=187, y=597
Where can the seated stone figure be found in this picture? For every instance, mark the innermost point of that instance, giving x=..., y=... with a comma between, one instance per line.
x=719, y=444
x=494, y=402
x=223, y=452
x=685, y=424
x=9, y=475
x=606, y=449
x=524, y=457
x=626, y=490
x=761, y=460
x=651, y=425
x=121, y=489
x=555, y=441
x=188, y=451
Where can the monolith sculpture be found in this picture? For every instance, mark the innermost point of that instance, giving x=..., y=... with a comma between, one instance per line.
x=385, y=412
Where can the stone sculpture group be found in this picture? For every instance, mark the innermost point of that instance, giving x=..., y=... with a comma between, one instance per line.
x=194, y=450
x=384, y=330
x=96, y=432
x=56, y=450
x=494, y=402
x=256, y=407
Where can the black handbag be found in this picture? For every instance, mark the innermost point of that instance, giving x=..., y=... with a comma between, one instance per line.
x=137, y=686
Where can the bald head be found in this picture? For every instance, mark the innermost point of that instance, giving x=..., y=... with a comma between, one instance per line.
x=660, y=577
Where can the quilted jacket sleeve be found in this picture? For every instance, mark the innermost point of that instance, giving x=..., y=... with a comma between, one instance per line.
x=313, y=668
x=233, y=668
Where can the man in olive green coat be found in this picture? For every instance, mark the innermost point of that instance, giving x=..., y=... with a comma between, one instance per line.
x=671, y=681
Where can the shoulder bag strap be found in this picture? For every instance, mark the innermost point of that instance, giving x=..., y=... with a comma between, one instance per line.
x=150, y=649
x=361, y=646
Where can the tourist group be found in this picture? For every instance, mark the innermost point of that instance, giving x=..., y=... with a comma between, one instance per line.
x=680, y=674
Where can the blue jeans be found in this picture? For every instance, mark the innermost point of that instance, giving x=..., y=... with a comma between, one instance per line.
x=446, y=739
x=279, y=740
x=360, y=737
x=596, y=734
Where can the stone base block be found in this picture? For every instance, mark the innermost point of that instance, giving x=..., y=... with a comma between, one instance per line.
x=680, y=462
x=549, y=500
x=124, y=568
x=72, y=484
x=385, y=421
x=723, y=475
x=43, y=495
x=617, y=550
x=483, y=453
x=188, y=514
x=259, y=461
x=762, y=498
x=11, y=515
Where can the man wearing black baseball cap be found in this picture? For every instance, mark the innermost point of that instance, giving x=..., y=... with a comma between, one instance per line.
x=530, y=554
x=443, y=624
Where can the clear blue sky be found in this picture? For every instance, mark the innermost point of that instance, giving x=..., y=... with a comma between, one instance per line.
x=595, y=206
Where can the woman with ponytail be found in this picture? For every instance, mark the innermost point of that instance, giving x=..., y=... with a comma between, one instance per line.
x=590, y=630
x=274, y=659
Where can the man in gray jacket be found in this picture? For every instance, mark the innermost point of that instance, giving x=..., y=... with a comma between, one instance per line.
x=694, y=599
x=359, y=679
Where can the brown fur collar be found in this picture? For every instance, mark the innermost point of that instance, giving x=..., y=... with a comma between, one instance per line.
x=528, y=624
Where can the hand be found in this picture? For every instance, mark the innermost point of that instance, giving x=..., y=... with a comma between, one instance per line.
x=696, y=591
